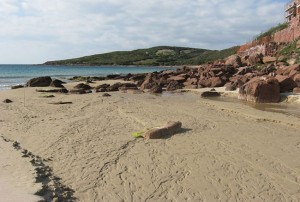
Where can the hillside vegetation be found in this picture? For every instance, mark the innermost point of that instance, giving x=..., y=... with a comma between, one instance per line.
x=156, y=56
x=272, y=31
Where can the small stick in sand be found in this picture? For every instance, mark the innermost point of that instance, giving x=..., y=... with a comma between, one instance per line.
x=60, y=103
x=169, y=129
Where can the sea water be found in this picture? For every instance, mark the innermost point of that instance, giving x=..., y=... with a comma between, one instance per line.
x=11, y=75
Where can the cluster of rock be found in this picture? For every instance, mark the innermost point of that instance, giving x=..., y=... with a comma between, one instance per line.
x=264, y=85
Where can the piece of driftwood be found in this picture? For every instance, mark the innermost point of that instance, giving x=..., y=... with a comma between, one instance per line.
x=60, y=103
x=59, y=90
x=169, y=129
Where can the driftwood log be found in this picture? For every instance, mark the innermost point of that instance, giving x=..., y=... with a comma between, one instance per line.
x=169, y=129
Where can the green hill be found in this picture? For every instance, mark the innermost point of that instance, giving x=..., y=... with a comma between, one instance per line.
x=156, y=56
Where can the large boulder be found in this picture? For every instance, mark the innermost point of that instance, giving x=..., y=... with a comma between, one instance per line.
x=149, y=82
x=205, y=83
x=234, y=60
x=296, y=78
x=269, y=59
x=44, y=81
x=244, y=70
x=286, y=83
x=296, y=90
x=217, y=82
x=210, y=94
x=180, y=78
x=268, y=69
x=156, y=89
x=114, y=87
x=138, y=77
x=191, y=81
x=57, y=83
x=286, y=70
x=230, y=86
x=255, y=58
x=82, y=86
x=174, y=85
x=260, y=89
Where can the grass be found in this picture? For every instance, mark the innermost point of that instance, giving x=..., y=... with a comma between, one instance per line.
x=272, y=31
x=289, y=49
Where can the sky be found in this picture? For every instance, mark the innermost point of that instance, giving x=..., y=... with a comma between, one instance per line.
x=36, y=31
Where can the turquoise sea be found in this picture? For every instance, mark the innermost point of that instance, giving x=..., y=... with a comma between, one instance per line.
x=18, y=74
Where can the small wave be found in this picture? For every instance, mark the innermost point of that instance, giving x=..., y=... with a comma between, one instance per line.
x=15, y=77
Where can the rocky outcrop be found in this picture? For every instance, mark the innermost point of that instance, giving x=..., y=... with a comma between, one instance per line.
x=260, y=89
x=296, y=78
x=57, y=83
x=17, y=87
x=254, y=59
x=210, y=94
x=234, y=60
x=296, y=90
x=286, y=83
x=156, y=89
x=174, y=85
x=83, y=86
x=149, y=82
x=39, y=82
x=269, y=59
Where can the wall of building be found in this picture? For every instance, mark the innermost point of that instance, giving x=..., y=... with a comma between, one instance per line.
x=288, y=34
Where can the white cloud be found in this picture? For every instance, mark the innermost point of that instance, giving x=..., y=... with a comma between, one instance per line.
x=33, y=31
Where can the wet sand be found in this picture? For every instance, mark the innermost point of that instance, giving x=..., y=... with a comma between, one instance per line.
x=225, y=152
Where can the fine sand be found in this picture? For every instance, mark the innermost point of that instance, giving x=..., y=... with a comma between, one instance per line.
x=225, y=152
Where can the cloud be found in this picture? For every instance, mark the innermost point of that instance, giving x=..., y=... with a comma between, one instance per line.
x=34, y=31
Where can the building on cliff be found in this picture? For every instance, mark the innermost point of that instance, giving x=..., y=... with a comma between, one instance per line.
x=267, y=45
x=292, y=11
x=292, y=15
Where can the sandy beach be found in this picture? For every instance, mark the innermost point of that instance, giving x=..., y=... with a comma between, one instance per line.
x=225, y=152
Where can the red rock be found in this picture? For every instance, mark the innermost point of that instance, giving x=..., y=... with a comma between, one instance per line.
x=174, y=85
x=217, y=82
x=156, y=89
x=286, y=83
x=148, y=83
x=205, y=82
x=293, y=73
x=296, y=90
x=168, y=129
x=262, y=90
x=230, y=86
x=177, y=78
x=167, y=72
x=296, y=78
x=244, y=70
x=192, y=81
x=234, y=60
x=191, y=86
x=268, y=59
x=268, y=69
x=286, y=70
x=254, y=59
